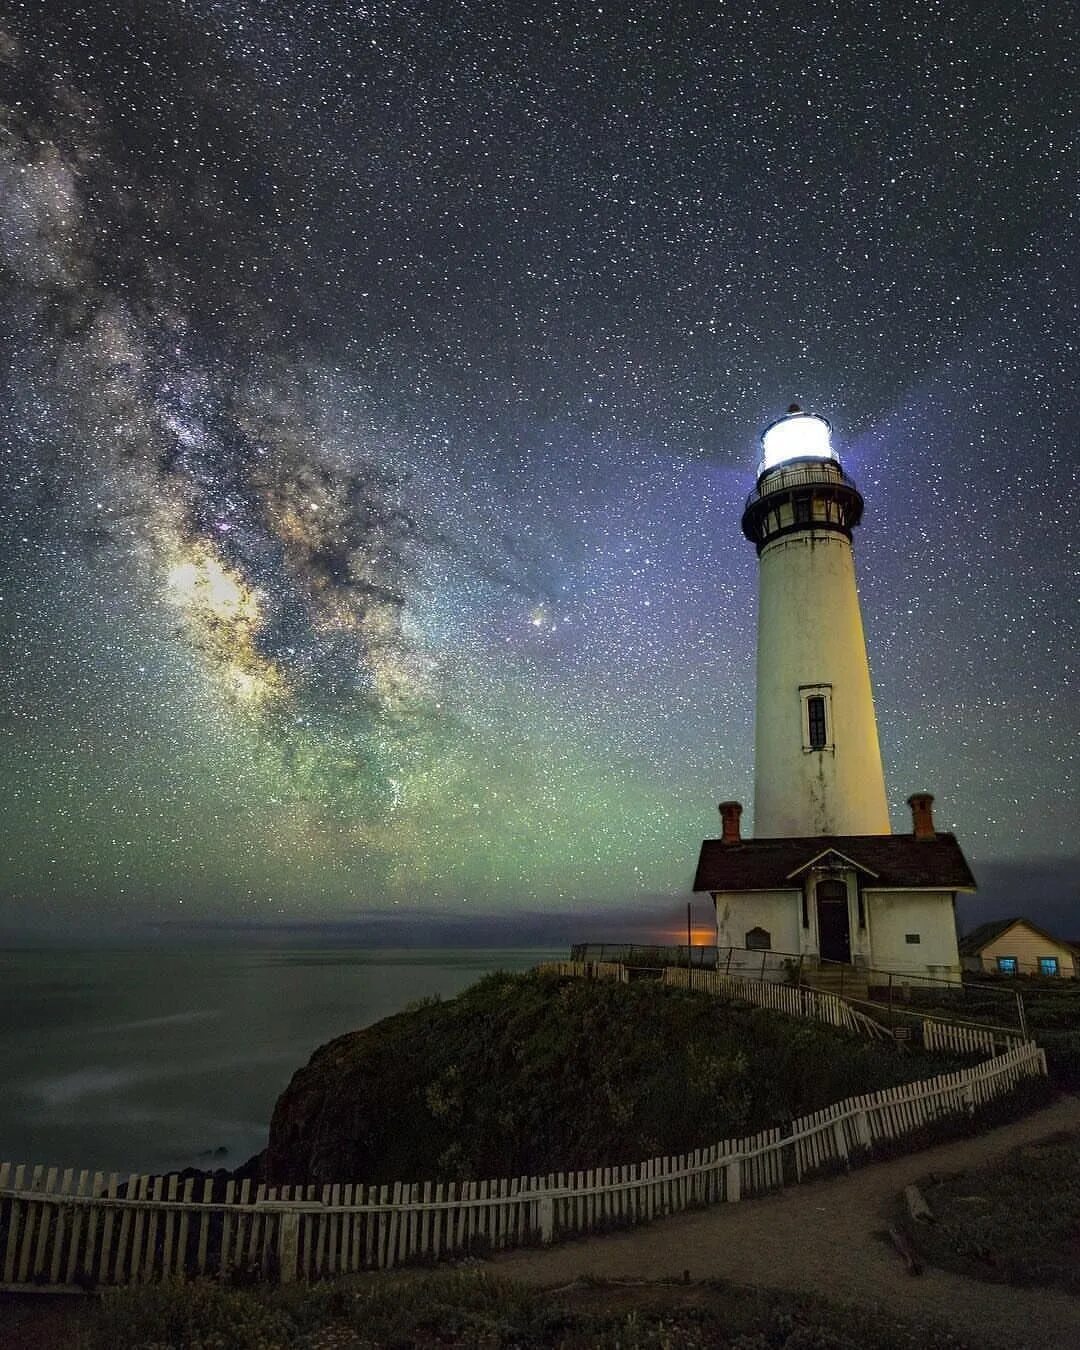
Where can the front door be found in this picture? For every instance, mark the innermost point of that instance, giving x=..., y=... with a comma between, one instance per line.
x=834, y=931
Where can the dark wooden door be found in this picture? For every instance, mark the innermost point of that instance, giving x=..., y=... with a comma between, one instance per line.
x=834, y=930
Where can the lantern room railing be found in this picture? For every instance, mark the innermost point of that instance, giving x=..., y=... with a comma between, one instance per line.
x=822, y=473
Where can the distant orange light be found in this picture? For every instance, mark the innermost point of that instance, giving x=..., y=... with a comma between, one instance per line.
x=699, y=937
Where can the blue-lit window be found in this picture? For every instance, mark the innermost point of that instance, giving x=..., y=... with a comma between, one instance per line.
x=1048, y=965
x=1007, y=965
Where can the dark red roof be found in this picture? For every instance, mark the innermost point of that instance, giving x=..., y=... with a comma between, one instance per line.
x=894, y=861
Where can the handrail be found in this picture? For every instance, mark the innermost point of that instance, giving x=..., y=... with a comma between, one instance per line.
x=941, y=1021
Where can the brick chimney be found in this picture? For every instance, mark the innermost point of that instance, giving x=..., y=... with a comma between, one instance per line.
x=729, y=814
x=922, y=815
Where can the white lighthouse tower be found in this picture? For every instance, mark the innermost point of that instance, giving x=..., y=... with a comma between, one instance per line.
x=817, y=761
x=823, y=883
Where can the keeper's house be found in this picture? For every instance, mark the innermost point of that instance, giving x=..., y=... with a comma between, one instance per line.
x=870, y=902
x=1017, y=947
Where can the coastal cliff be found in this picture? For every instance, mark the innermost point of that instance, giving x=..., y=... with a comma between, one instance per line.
x=525, y=1074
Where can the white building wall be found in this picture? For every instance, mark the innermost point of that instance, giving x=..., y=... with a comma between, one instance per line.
x=892, y=915
x=810, y=633
x=778, y=912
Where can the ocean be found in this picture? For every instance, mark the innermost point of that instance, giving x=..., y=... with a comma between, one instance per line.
x=145, y=1060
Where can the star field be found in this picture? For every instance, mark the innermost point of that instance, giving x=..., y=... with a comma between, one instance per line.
x=382, y=386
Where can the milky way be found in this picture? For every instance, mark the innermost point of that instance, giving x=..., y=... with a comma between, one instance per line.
x=382, y=386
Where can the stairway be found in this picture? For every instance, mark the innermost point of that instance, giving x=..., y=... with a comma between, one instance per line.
x=846, y=981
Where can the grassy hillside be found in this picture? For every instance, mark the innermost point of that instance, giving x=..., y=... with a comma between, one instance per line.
x=525, y=1074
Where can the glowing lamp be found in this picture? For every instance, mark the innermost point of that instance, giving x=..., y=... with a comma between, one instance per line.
x=796, y=435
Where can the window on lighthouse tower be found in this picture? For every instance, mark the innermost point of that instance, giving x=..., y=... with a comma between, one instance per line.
x=817, y=734
x=816, y=716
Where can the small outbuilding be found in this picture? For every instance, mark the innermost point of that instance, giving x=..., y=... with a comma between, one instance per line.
x=1017, y=947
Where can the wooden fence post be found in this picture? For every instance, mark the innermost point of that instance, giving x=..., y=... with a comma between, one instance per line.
x=546, y=1219
x=733, y=1180
x=841, y=1142
x=288, y=1244
x=862, y=1129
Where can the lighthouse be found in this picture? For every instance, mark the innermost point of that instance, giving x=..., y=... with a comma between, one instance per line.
x=823, y=886
x=817, y=761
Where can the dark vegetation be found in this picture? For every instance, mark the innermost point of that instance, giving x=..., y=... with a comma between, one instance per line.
x=1051, y=1007
x=465, y=1311
x=1016, y=1222
x=525, y=1074
x=994, y=1004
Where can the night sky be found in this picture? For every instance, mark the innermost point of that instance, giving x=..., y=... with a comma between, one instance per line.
x=381, y=387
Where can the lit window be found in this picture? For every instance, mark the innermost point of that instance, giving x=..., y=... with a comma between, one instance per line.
x=1007, y=965
x=817, y=735
x=1048, y=965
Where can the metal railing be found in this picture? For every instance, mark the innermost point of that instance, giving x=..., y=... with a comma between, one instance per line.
x=696, y=957
x=647, y=955
x=825, y=473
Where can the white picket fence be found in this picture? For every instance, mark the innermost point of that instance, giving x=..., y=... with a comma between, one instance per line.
x=66, y=1231
x=794, y=1000
x=967, y=1038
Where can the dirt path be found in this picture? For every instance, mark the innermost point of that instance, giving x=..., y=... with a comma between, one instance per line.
x=824, y=1237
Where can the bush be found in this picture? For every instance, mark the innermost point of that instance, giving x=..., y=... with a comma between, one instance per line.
x=1062, y=1057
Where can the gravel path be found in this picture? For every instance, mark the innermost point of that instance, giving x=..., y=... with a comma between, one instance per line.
x=826, y=1237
